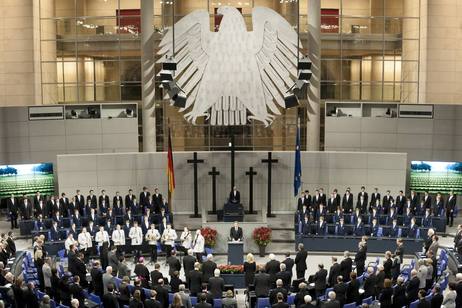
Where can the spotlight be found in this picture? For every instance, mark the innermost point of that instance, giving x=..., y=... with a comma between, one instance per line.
x=304, y=63
x=290, y=100
x=179, y=100
x=165, y=75
x=300, y=88
x=304, y=75
x=169, y=64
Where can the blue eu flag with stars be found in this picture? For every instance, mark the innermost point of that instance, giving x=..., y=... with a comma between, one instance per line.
x=298, y=165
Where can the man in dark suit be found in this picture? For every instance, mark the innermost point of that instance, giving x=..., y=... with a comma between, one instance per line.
x=208, y=268
x=188, y=263
x=359, y=227
x=363, y=194
x=346, y=266
x=427, y=199
x=387, y=202
x=280, y=302
x=300, y=261
x=173, y=263
x=272, y=268
x=340, y=228
x=319, y=280
x=105, y=198
x=194, y=280
x=162, y=293
x=450, y=208
x=321, y=226
x=374, y=197
x=284, y=275
x=322, y=196
x=129, y=199
x=262, y=283
x=331, y=302
x=414, y=201
x=332, y=203
x=109, y=299
x=302, y=200
x=360, y=258
x=400, y=202
x=216, y=284
x=77, y=292
x=361, y=204
x=235, y=233
x=92, y=198
x=80, y=201
x=370, y=283
x=96, y=274
x=412, y=231
x=156, y=275
x=13, y=208
x=412, y=288
x=64, y=205
x=334, y=272
x=234, y=196
x=152, y=302
x=116, y=198
x=340, y=290
x=26, y=208
x=279, y=289
x=347, y=202
x=145, y=195
x=158, y=200
x=203, y=302
x=289, y=262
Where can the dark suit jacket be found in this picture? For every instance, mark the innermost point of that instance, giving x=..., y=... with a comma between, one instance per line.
x=188, y=264
x=320, y=279
x=347, y=205
x=151, y=303
x=412, y=289
x=340, y=292
x=262, y=284
x=26, y=213
x=272, y=268
x=280, y=305
x=173, y=264
x=331, y=304
x=437, y=300
x=300, y=260
x=208, y=267
x=235, y=198
x=366, y=197
x=158, y=203
x=144, y=199
x=235, y=235
x=289, y=262
x=345, y=268
x=285, y=277
x=216, y=286
x=93, y=201
x=334, y=272
x=110, y=301
x=155, y=276
x=369, y=285
x=274, y=293
x=162, y=295
x=195, y=281
x=12, y=206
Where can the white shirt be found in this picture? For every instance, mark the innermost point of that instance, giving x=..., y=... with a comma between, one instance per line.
x=169, y=237
x=101, y=237
x=118, y=237
x=136, y=234
x=152, y=236
x=186, y=239
x=85, y=240
x=198, y=244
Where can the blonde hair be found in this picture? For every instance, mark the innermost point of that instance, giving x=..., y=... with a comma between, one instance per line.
x=250, y=258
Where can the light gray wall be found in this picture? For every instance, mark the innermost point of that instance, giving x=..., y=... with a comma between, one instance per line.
x=118, y=172
x=23, y=141
x=438, y=139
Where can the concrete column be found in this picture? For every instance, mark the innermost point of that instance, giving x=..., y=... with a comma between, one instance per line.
x=147, y=76
x=314, y=91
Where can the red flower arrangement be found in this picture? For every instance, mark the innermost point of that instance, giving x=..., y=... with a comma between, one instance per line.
x=231, y=269
x=210, y=236
x=262, y=236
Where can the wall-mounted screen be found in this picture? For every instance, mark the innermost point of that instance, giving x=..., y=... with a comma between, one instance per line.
x=436, y=176
x=27, y=178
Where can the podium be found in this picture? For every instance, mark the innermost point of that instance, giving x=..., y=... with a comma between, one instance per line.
x=235, y=253
x=233, y=212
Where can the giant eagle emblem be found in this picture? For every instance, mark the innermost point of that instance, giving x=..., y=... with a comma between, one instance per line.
x=233, y=75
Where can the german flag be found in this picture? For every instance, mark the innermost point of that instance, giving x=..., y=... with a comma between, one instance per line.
x=170, y=170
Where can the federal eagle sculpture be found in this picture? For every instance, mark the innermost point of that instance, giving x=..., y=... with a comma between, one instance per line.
x=233, y=75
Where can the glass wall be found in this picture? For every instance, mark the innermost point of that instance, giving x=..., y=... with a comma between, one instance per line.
x=90, y=51
x=370, y=50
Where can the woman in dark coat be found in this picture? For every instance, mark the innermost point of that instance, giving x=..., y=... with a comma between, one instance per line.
x=249, y=269
x=352, y=294
x=386, y=294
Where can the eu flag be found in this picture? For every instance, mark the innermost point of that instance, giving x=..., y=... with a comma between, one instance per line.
x=298, y=165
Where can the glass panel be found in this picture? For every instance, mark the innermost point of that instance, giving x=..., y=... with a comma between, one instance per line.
x=129, y=27
x=98, y=8
x=392, y=71
x=48, y=50
x=130, y=70
x=184, y=7
x=409, y=93
x=69, y=71
x=351, y=91
x=130, y=91
x=364, y=25
x=409, y=71
x=70, y=93
x=362, y=8
x=391, y=91
x=351, y=70
x=96, y=28
x=63, y=8
x=50, y=72
x=330, y=70
x=94, y=49
x=52, y=93
x=402, y=8
x=411, y=28
x=130, y=49
x=410, y=50
x=100, y=92
x=330, y=90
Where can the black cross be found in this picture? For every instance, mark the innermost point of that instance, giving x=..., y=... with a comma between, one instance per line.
x=250, y=173
x=270, y=162
x=214, y=174
x=195, y=161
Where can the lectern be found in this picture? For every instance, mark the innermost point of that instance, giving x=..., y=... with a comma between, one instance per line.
x=235, y=253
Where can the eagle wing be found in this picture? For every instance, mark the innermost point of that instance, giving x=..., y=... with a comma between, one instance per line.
x=276, y=51
x=192, y=38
